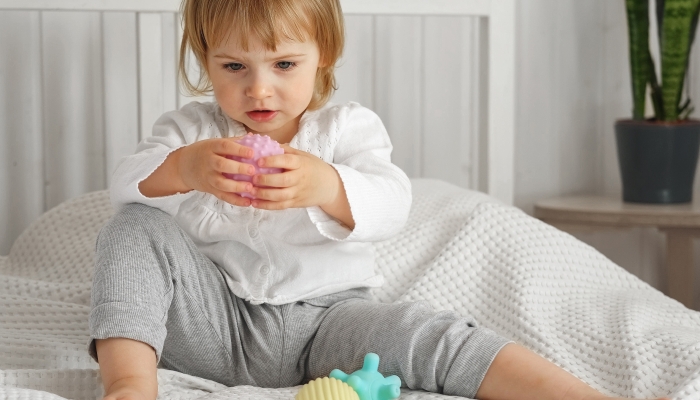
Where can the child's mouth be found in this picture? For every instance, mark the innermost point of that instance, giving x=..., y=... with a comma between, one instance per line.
x=261, y=115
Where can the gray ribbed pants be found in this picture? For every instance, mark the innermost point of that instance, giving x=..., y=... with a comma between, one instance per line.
x=152, y=284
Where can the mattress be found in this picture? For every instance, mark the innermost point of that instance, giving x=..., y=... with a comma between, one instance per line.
x=460, y=250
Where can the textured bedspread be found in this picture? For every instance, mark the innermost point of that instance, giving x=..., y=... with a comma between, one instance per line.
x=461, y=250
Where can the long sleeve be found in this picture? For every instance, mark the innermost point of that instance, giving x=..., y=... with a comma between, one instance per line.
x=171, y=131
x=378, y=191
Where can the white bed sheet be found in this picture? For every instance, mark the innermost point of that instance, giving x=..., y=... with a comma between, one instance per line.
x=460, y=250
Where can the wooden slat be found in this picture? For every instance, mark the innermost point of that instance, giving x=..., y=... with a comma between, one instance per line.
x=150, y=41
x=73, y=105
x=21, y=155
x=481, y=112
x=169, y=56
x=120, y=87
x=398, y=96
x=375, y=7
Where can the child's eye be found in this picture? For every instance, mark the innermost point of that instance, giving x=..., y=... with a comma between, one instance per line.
x=233, y=67
x=286, y=65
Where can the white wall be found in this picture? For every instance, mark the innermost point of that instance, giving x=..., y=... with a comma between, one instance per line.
x=572, y=83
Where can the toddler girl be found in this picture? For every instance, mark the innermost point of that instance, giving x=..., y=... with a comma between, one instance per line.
x=275, y=290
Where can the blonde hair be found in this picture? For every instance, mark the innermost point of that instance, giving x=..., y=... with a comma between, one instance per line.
x=206, y=23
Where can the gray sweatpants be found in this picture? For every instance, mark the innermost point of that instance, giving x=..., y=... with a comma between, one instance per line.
x=152, y=284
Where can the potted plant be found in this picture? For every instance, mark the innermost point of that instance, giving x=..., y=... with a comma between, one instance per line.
x=658, y=154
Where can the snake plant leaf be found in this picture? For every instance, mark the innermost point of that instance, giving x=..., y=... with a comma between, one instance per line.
x=659, y=16
x=688, y=108
x=638, y=29
x=675, y=48
x=686, y=114
x=656, y=93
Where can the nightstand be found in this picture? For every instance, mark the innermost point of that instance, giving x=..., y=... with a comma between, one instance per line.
x=680, y=223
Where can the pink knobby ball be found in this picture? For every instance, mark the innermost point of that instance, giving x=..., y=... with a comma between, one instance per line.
x=263, y=146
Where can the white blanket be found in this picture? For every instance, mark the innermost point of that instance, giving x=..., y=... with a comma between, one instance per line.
x=461, y=250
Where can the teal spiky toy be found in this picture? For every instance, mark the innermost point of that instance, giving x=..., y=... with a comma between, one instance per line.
x=368, y=382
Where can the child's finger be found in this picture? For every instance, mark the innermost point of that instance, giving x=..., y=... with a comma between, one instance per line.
x=233, y=198
x=273, y=194
x=281, y=180
x=229, y=147
x=224, y=184
x=284, y=161
x=228, y=166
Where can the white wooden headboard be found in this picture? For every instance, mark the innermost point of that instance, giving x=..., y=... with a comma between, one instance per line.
x=134, y=98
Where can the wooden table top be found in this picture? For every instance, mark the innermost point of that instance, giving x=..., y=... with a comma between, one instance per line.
x=612, y=211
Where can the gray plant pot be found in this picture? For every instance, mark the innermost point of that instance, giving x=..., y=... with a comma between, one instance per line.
x=657, y=160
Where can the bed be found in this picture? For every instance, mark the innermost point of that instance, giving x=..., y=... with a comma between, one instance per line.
x=465, y=250
x=461, y=250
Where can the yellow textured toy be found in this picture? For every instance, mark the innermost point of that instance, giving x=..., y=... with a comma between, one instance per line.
x=327, y=389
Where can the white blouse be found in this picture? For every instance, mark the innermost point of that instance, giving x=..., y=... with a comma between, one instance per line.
x=279, y=257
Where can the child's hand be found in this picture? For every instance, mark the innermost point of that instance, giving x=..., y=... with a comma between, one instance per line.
x=307, y=181
x=201, y=165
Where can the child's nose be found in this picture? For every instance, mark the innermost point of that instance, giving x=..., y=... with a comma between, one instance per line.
x=259, y=87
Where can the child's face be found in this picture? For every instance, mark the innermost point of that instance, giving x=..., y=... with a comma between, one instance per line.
x=265, y=91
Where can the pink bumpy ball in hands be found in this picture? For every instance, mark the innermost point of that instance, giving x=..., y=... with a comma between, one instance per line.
x=263, y=146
